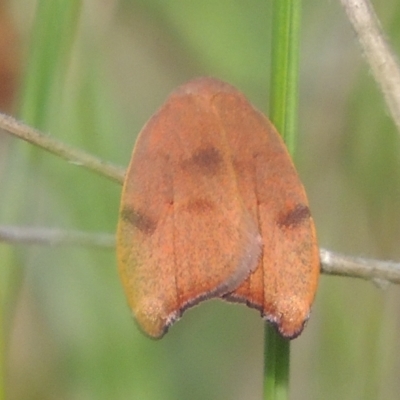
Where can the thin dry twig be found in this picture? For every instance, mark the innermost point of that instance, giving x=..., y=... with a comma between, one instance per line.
x=377, y=51
x=357, y=267
x=54, y=237
x=331, y=263
x=58, y=148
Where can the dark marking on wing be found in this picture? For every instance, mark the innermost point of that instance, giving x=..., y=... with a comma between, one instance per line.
x=207, y=160
x=294, y=217
x=199, y=206
x=139, y=220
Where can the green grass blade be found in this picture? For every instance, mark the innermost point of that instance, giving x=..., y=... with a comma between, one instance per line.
x=283, y=113
x=54, y=28
x=284, y=69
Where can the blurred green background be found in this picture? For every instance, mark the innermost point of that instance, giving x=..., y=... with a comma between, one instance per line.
x=69, y=332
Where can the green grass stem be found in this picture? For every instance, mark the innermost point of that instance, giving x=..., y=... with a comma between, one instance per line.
x=283, y=113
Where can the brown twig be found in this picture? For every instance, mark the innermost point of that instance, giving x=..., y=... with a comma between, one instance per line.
x=356, y=267
x=58, y=148
x=380, y=57
x=54, y=237
x=331, y=263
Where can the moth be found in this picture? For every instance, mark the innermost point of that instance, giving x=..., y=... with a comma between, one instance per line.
x=212, y=206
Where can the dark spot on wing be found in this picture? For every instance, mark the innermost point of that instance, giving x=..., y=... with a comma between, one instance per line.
x=207, y=160
x=139, y=220
x=294, y=217
x=199, y=205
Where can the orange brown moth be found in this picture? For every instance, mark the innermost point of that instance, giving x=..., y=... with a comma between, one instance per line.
x=212, y=206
